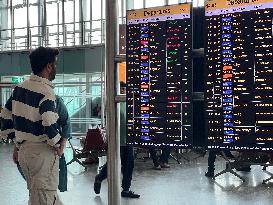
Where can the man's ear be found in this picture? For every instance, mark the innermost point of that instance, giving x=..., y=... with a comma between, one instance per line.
x=49, y=67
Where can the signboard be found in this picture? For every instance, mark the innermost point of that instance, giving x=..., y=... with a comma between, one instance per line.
x=159, y=76
x=239, y=84
x=17, y=79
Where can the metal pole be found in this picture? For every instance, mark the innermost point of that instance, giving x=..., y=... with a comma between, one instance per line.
x=63, y=24
x=102, y=39
x=28, y=29
x=58, y=22
x=74, y=24
x=45, y=24
x=111, y=125
x=12, y=25
x=81, y=23
x=91, y=21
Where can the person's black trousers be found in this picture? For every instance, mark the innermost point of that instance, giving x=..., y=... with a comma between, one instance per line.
x=212, y=157
x=164, y=157
x=127, y=167
x=211, y=160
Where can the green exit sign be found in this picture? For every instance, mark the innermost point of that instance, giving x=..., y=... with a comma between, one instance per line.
x=17, y=79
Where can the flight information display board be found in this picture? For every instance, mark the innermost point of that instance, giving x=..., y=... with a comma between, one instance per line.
x=239, y=84
x=159, y=76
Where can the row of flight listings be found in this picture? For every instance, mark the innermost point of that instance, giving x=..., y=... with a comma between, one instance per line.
x=238, y=76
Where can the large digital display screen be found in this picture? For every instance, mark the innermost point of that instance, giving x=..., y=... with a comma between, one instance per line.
x=159, y=76
x=239, y=84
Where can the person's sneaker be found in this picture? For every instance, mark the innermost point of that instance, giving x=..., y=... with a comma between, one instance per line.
x=209, y=174
x=97, y=185
x=129, y=194
x=164, y=165
x=157, y=167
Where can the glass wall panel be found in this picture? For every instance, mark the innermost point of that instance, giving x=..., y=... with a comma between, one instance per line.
x=77, y=10
x=33, y=16
x=20, y=17
x=138, y=4
x=52, y=35
x=60, y=6
x=32, y=1
x=96, y=9
x=86, y=10
x=173, y=2
x=20, y=38
x=93, y=17
x=153, y=3
x=16, y=2
x=34, y=36
x=52, y=14
x=68, y=11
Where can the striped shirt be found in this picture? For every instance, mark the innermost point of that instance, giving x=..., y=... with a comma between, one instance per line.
x=31, y=113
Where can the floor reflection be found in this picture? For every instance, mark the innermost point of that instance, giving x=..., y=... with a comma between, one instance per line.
x=182, y=184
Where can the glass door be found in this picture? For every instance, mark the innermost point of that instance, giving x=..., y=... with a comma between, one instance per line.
x=5, y=93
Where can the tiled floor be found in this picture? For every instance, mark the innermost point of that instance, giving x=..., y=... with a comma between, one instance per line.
x=183, y=184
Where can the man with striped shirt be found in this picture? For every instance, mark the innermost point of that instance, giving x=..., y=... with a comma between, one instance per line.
x=31, y=115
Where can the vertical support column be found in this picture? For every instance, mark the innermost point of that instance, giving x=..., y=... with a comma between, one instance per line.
x=44, y=34
x=122, y=15
x=88, y=111
x=91, y=21
x=4, y=24
x=40, y=22
x=74, y=24
x=28, y=29
x=103, y=89
x=102, y=24
x=111, y=125
x=64, y=27
x=12, y=26
x=82, y=24
x=58, y=22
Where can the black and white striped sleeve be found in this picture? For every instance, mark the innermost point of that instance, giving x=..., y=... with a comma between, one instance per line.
x=47, y=109
x=7, y=129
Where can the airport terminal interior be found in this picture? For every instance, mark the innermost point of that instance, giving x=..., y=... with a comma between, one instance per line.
x=197, y=98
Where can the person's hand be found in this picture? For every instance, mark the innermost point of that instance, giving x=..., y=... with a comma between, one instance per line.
x=15, y=155
x=59, y=151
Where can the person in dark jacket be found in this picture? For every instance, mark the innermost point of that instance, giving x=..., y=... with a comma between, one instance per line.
x=126, y=156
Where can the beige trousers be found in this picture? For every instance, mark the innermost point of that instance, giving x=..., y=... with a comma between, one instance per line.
x=40, y=166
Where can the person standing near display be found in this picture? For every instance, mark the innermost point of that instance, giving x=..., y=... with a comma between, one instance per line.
x=126, y=155
x=30, y=114
x=211, y=161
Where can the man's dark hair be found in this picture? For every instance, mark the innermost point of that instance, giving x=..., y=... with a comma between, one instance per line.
x=40, y=57
x=122, y=84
